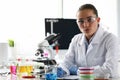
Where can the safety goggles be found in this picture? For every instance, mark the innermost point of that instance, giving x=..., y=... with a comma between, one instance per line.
x=90, y=19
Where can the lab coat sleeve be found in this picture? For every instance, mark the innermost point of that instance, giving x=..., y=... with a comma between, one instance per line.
x=69, y=57
x=111, y=62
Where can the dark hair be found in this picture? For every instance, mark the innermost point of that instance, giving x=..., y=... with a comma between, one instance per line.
x=89, y=6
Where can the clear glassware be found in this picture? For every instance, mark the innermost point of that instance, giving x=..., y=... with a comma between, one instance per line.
x=4, y=69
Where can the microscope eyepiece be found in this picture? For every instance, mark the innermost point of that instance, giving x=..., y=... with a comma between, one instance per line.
x=39, y=51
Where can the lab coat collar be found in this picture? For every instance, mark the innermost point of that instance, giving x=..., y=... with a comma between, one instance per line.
x=96, y=38
x=82, y=40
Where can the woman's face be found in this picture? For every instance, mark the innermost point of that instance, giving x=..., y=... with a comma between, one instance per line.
x=87, y=22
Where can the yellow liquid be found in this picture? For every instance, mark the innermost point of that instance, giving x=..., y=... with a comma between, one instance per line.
x=25, y=69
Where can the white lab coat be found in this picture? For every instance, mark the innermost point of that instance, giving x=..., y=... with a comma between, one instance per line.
x=102, y=53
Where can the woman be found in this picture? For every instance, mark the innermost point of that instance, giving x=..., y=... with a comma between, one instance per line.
x=95, y=47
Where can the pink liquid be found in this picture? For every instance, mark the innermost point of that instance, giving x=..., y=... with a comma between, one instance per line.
x=13, y=69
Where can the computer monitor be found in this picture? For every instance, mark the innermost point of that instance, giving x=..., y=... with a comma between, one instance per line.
x=66, y=27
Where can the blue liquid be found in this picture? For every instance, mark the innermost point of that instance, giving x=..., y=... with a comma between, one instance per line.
x=51, y=76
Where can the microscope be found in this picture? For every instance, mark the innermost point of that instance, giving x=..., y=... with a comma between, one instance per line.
x=45, y=49
x=45, y=52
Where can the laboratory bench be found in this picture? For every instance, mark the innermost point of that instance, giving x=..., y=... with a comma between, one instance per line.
x=72, y=77
x=14, y=77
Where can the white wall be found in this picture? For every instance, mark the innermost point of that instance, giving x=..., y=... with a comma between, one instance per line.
x=118, y=16
x=23, y=20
